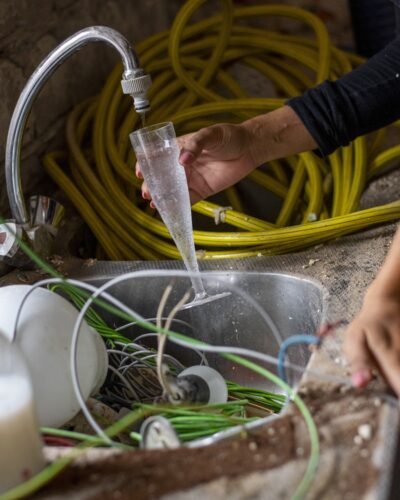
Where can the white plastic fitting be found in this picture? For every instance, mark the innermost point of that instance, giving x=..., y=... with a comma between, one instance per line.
x=211, y=384
x=136, y=84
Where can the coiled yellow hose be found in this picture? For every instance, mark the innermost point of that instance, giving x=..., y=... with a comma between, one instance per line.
x=192, y=86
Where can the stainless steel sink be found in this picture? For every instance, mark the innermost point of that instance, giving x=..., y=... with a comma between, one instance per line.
x=294, y=304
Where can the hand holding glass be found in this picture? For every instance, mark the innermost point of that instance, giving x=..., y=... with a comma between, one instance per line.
x=157, y=153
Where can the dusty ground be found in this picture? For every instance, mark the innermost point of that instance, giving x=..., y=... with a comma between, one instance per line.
x=345, y=470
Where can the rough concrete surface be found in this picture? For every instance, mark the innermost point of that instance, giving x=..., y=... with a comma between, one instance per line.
x=29, y=30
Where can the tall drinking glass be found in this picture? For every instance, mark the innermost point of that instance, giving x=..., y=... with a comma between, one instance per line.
x=157, y=153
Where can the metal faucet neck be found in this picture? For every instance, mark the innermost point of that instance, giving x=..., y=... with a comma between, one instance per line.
x=35, y=83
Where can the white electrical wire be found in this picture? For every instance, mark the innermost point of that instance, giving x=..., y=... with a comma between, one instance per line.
x=203, y=359
x=150, y=320
x=125, y=381
x=198, y=345
x=170, y=390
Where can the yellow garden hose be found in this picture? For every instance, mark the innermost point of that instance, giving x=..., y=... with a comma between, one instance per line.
x=193, y=86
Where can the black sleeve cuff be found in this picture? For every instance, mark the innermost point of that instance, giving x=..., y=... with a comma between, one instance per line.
x=359, y=102
x=318, y=126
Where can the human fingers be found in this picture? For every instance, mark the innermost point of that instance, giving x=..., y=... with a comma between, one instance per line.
x=145, y=191
x=138, y=171
x=384, y=342
x=146, y=194
x=358, y=355
x=206, y=138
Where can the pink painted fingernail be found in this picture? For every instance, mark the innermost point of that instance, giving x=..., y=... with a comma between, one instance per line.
x=361, y=378
x=186, y=157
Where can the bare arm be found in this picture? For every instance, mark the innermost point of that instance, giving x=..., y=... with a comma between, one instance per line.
x=276, y=135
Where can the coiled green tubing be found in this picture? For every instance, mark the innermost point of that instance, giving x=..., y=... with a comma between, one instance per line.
x=193, y=87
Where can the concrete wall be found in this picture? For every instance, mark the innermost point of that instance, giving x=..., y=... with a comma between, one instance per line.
x=336, y=16
x=30, y=29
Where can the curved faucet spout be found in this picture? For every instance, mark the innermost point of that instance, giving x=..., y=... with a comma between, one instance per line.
x=134, y=82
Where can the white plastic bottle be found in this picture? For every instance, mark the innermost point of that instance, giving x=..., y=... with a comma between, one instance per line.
x=20, y=443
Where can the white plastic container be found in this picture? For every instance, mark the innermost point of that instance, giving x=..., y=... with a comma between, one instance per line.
x=20, y=443
x=44, y=335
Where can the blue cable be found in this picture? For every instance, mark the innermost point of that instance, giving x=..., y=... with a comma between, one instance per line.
x=293, y=340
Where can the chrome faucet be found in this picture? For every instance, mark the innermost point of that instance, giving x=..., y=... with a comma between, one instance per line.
x=135, y=82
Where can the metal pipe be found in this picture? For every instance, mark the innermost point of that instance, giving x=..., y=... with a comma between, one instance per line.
x=46, y=68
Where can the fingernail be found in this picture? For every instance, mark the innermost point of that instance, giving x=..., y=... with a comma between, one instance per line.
x=361, y=378
x=186, y=157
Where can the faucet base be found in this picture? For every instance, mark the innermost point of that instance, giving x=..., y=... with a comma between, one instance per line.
x=11, y=254
x=37, y=238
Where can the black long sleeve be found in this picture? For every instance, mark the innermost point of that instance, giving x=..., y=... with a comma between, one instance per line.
x=361, y=101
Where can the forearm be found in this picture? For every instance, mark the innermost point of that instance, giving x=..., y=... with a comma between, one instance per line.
x=277, y=134
x=387, y=282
